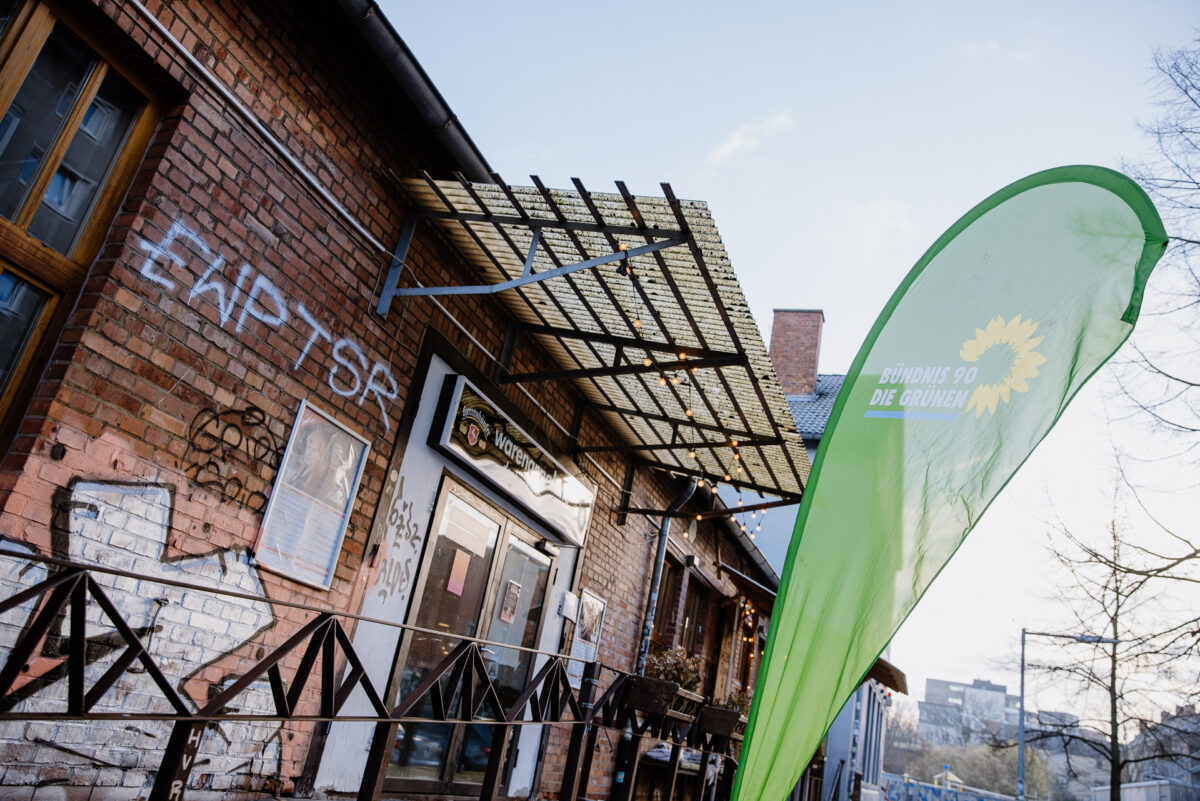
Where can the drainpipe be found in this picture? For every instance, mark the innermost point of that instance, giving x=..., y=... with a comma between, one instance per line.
x=656, y=578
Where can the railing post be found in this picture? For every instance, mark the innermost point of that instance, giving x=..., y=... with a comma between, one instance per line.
x=495, y=766
x=178, y=760
x=377, y=758
x=700, y=783
x=574, y=780
x=725, y=786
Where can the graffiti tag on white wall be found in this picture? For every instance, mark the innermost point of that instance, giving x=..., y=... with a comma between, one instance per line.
x=126, y=527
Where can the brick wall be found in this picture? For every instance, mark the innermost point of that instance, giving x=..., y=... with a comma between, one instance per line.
x=795, y=347
x=227, y=293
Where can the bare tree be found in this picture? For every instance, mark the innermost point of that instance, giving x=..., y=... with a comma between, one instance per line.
x=1122, y=645
x=1162, y=378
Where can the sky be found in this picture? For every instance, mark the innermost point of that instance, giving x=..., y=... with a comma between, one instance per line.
x=834, y=142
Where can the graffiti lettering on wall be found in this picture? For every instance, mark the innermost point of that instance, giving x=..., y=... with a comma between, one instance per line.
x=403, y=539
x=907, y=788
x=221, y=442
x=353, y=375
x=187, y=632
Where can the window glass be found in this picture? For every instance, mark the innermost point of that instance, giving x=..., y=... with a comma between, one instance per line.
x=93, y=149
x=7, y=9
x=31, y=124
x=694, y=618
x=21, y=305
x=664, y=612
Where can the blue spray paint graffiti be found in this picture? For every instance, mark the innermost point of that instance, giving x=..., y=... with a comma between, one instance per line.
x=906, y=788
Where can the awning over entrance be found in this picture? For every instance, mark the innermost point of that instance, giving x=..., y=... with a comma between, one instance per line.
x=636, y=299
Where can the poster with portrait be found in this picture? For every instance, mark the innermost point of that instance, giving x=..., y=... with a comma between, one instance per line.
x=309, y=508
x=588, y=625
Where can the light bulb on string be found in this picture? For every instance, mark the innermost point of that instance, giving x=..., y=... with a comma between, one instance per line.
x=646, y=362
x=728, y=477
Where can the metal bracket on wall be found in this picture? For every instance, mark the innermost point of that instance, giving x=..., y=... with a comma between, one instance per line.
x=392, y=288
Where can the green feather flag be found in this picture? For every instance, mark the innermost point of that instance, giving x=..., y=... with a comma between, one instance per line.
x=967, y=369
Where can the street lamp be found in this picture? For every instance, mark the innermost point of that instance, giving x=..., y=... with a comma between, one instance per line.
x=1088, y=638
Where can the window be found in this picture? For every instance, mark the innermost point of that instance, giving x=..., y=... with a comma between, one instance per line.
x=664, y=612
x=73, y=127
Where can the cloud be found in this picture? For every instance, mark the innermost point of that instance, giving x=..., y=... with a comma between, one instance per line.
x=992, y=52
x=747, y=137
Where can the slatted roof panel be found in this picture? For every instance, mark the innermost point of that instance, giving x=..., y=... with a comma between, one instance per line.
x=684, y=295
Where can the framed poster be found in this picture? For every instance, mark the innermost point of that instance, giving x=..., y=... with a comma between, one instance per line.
x=588, y=627
x=309, y=508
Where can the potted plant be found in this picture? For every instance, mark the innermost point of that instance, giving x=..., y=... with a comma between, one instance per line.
x=671, y=680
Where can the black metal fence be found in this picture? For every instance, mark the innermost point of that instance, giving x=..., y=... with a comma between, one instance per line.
x=303, y=677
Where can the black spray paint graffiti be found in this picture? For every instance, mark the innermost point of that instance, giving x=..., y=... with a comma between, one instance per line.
x=395, y=574
x=222, y=442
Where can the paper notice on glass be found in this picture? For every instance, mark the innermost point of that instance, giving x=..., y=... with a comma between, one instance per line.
x=458, y=572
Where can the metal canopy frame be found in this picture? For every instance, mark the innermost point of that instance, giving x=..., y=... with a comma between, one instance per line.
x=608, y=283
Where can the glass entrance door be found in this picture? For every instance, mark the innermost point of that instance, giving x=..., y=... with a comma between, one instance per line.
x=482, y=577
x=515, y=619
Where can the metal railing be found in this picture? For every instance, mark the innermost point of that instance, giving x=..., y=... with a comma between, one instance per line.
x=303, y=677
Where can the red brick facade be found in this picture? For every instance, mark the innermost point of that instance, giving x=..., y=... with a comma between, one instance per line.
x=228, y=286
x=795, y=348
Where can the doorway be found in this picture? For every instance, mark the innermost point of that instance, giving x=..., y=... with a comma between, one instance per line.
x=482, y=576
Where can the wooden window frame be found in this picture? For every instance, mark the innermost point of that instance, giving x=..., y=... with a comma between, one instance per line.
x=60, y=275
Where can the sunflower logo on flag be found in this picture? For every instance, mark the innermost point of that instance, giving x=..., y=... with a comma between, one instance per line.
x=1017, y=336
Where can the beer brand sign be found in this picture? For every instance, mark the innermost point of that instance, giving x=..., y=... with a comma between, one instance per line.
x=481, y=437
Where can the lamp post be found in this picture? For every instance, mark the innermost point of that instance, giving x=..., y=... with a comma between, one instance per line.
x=1088, y=638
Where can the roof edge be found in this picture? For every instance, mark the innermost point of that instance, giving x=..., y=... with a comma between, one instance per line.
x=373, y=24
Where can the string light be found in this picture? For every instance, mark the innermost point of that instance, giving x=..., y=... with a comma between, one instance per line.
x=674, y=379
x=739, y=469
x=714, y=488
x=646, y=362
x=733, y=443
x=637, y=323
x=736, y=456
x=682, y=357
x=688, y=412
x=692, y=454
x=699, y=482
x=728, y=477
x=662, y=380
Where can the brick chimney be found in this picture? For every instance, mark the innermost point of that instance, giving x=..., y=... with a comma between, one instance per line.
x=795, y=347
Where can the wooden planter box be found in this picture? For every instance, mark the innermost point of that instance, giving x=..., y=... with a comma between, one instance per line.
x=718, y=722
x=658, y=698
